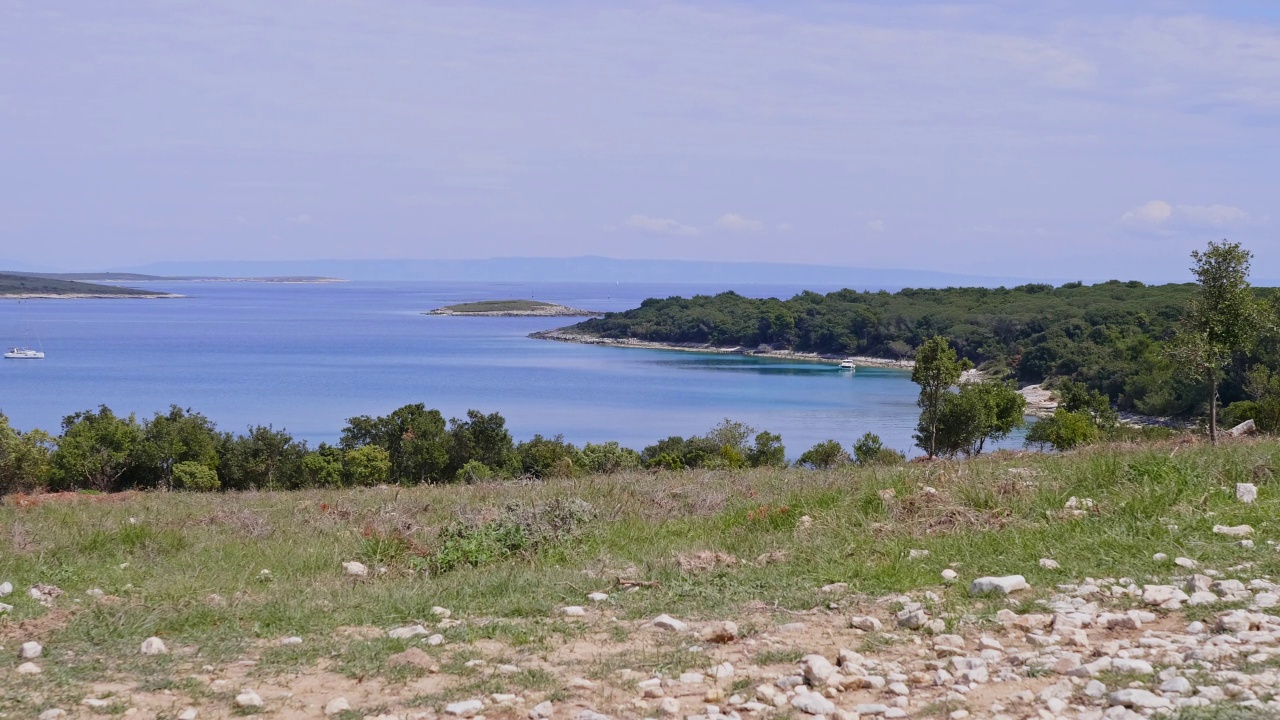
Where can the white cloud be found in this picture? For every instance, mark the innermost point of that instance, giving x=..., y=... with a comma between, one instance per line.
x=658, y=226
x=734, y=222
x=875, y=225
x=1162, y=217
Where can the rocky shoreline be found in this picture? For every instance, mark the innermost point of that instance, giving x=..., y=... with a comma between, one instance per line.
x=830, y=359
x=543, y=311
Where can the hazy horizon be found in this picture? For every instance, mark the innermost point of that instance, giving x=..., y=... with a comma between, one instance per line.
x=981, y=139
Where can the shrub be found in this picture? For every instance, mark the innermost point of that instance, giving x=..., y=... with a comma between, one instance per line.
x=869, y=451
x=768, y=451
x=519, y=529
x=546, y=457
x=367, y=465
x=1064, y=430
x=24, y=459
x=607, y=458
x=195, y=477
x=824, y=455
x=475, y=471
x=323, y=467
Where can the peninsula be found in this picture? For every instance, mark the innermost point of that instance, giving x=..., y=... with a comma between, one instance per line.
x=16, y=286
x=511, y=308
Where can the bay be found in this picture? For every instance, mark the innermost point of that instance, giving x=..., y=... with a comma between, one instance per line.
x=305, y=357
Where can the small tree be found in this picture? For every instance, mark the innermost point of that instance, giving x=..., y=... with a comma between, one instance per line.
x=95, y=451
x=826, y=454
x=979, y=412
x=768, y=451
x=869, y=450
x=1064, y=430
x=936, y=371
x=367, y=465
x=1223, y=317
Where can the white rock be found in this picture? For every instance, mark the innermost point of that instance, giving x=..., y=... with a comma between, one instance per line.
x=435, y=640
x=669, y=706
x=6, y=588
x=1131, y=666
x=1161, y=594
x=248, y=699
x=949, y=575
x=7, y=608
x=465, y=709
x=52, y=714
x=1233, y=530
x=1246, y=492
x=30, y=650
x=29, y=668
x=1178, y=685
x=355, y=569
x=917, y=554
x=812, y=703
x=1202, y=598
x=153, y=646
x=913, y=619
x=817, y=670
x=408, y=631
x=441, y=612
x=1049, y=564
x=336, y=705
x=1137, y=698
x=865, y=623
x=597, y=597
x=542, y=710
x=295, y=640
x=835, y=587
x=188, y=714
x=1159, y=557
x=1186, y=562
x=666, y=622
x=95, y=703
x=574, y=611
x=1095, y=689
x=1002, y=585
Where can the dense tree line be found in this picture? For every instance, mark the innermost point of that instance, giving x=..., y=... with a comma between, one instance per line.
x=1112, y=337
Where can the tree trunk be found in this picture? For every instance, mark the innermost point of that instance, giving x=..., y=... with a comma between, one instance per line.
x=1213, y=406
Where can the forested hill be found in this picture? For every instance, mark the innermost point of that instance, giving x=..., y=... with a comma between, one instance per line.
x=20, y=285
x=1107, y=335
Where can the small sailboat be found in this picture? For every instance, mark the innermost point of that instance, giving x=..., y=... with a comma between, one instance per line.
x=22, y=353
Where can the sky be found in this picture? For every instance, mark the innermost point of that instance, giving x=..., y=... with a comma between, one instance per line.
x=1053, y=138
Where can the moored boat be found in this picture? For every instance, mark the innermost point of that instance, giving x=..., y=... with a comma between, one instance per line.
x=22, y=353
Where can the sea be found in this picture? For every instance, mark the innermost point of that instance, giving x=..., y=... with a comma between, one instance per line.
x=305, y=357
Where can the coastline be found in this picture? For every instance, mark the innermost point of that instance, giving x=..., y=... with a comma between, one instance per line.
x=90, y=296
x=829, y=359
x=550, y=311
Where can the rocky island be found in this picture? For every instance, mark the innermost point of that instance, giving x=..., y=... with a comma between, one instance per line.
x=512, y=308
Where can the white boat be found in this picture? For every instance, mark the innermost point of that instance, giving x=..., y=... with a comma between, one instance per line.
x=846, y=364
x=21, y=353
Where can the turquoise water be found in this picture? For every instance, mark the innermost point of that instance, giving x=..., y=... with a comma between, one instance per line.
x=306, y=357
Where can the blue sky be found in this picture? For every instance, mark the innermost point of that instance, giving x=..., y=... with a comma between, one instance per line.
x=1013, y=138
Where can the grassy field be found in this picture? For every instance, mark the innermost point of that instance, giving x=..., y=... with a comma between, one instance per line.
x=222, y=577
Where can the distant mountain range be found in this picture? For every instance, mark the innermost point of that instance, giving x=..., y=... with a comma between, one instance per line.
x=584, y=269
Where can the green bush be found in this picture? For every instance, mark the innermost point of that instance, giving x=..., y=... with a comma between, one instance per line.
x=824, y=455
x=606, y=458
x=475, y=471
x=546, y=457
x=195, y=477
x=519, y=529
x=367, y=465
x=1063, y=431
x=870, y=451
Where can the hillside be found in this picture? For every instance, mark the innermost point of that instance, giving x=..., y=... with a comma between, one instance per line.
x=24, y=285
x=643, y=595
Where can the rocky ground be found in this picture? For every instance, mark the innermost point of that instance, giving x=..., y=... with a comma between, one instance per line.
x=1100, y=648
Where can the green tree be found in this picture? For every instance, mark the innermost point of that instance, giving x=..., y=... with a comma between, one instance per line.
x=24, y=459
x=607, y=458
x=322, y=467
x=196, y=477
x=177, y=437
x=542, y=457
x=264, y=459
x=95, y=451
x=415, y=438
x=366, y=466
x=1223, y=317
x=825, y=455
x=483, y=438
x=937, y=369
x=768, y=451
x=977, y=413
x=1063, y=431
x=1076, y=397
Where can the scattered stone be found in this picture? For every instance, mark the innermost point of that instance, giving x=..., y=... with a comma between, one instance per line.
x=52, y=714
x=913, y=619
x=1246, y=492
x=1159, y=557
x=355, y=569
x=835, y=587
x=29, y=668
x=1179, y=685
x=1185, y=562
x=1095, y=689
x=1049, y=564
x=598, y=597
x=1233, y=530
x=812, y=703
x=6, y=588
x=666, y=622
x=590, y=714
x=542, y=710
x=917, y=554
x=435, y=640
x=154, y=646
x=1137, y=698
x=188, y=714
x=5, y=608
x=720, y=632
x=1001, y=585
x=464, y=709
x=1162, y=594
x=95, y=703
x=248, y=699
x=865, y=624
x=574, y=611
x=949, y=575
x=294, y=640
x=408, y=631
x=30, y=650
x=669, y=707
x=817, y=670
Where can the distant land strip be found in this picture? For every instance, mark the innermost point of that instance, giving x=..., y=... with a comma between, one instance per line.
x=512, y=308
x=16, y=286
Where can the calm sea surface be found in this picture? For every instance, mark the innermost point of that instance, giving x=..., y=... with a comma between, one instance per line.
x=306, y=357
